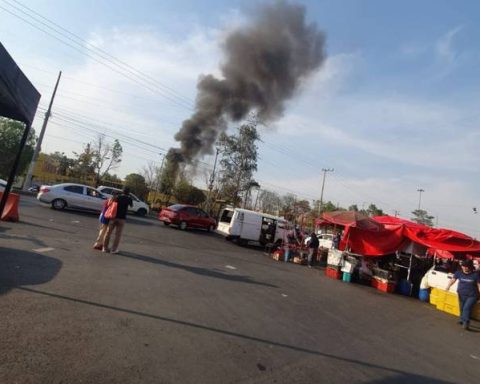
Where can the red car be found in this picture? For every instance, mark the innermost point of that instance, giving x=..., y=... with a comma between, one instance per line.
x=187, y=216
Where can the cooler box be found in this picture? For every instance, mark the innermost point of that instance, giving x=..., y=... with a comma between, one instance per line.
x=299, y=260
x=383, y=285
x=333, y=273
x=278, y=255
x=347, y=277
x=335, y=257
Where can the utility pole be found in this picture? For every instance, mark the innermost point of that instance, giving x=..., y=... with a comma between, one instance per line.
x=324, y=170
x=420, y=190
x=28, y=179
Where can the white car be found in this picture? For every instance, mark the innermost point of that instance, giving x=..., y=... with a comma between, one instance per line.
x=70, y=195
x=139, y=207
x=325, y=240
x=3, y=184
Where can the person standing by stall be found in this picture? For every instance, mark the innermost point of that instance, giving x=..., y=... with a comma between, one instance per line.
x=313, y=245
x=468, y=290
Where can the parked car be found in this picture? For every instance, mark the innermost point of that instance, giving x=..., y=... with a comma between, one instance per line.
x=3, y=184
x=34, y=188
x=187, y=216
x=71, y=195
x=139, y=207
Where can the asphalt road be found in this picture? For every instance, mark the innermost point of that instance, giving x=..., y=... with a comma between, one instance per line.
x=189, y=307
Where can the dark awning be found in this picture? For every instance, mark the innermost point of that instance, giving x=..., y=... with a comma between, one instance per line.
x=18, y=97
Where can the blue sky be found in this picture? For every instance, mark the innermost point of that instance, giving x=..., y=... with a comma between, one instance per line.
x=393, y=109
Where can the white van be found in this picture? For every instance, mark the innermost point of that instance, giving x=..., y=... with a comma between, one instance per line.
x=242, y=226
x=139, y=207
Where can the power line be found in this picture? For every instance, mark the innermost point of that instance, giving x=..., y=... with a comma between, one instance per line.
x=120, y=69
x=103, y=52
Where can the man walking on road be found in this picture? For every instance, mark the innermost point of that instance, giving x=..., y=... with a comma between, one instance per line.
x=123, y=202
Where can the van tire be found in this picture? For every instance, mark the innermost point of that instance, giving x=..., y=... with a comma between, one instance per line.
x=183, y=225
x=242, y=242
x=142, y=212
x=166, y=223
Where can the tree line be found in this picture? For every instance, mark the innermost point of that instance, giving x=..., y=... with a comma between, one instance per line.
x=233, y=183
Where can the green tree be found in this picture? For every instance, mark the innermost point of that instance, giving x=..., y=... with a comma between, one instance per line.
x=422, y=217
x=106, y=157
x=137, y=184
x=372, y=210
x=188, y=194
x=330, y=207
x=269, y=202
x=10, y=135
x=84, y=167
x=239, y=154
x=63, y=164
x=353, y=207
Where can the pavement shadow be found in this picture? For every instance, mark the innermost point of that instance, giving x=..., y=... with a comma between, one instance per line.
x=391, y=375
x=32, y=239
x=197, y=270
x=46, y=227
x=19, y=268
x=410, y=378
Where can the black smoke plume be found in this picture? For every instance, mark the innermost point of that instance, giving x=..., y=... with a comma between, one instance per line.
x=266, y=61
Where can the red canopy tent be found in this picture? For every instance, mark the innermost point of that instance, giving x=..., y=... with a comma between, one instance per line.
x=436, y=238
x=382, y=235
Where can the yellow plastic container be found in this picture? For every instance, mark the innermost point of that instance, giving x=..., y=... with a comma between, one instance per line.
x=452, y=309
x=437, y=295
x=451, y=298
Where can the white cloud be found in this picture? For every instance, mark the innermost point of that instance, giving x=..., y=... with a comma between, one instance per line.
x=444, y=46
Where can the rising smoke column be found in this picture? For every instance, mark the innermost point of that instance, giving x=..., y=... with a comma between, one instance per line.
x=266, y=61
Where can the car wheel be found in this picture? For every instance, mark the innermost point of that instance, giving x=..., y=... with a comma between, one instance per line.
x=183, y=225
x=59, y=204
x=142, y=212
x=210, y=228
x=166, y=224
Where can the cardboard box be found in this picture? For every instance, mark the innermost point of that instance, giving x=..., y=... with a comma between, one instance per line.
x=299, y=260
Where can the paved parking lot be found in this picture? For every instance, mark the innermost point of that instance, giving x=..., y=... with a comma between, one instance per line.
x=189, y=307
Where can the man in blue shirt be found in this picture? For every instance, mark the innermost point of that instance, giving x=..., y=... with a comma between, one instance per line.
x=468, y=290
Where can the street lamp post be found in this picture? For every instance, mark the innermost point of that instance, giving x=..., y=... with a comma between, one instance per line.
x=420, y=190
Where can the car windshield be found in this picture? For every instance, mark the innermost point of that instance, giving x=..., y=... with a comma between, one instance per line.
x=176, y=207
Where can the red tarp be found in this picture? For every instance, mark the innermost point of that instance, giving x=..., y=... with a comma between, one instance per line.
x=436, y=238
x=383, y=235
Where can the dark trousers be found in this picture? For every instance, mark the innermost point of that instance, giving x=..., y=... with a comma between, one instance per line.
x=466, y=305
x=312, y=255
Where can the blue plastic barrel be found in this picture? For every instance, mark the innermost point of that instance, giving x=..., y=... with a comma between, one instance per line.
x=424, y=295
x=404, y=287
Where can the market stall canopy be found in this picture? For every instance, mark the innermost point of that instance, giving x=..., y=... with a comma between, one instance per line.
x=436, y=238
x=352, y=219
x=18, y=97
